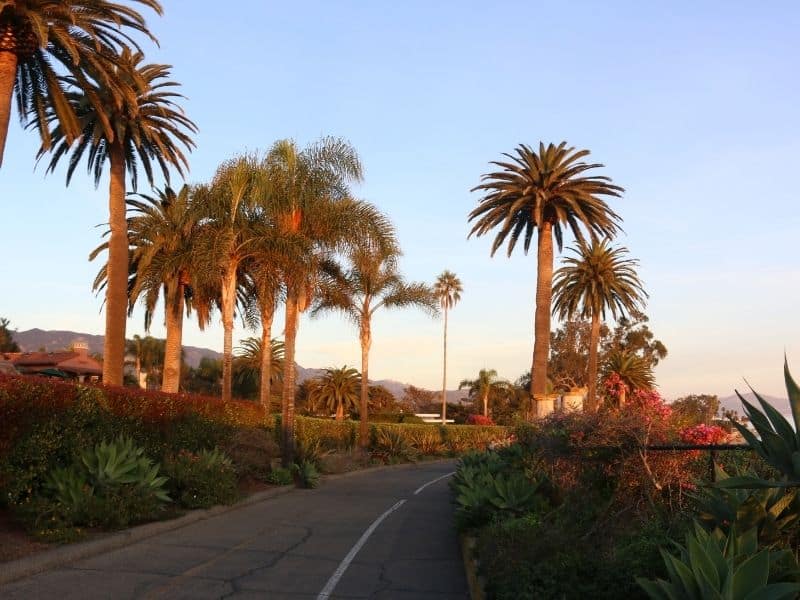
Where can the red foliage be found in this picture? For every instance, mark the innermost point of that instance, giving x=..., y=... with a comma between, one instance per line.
x=705, y=435
x=479, y=420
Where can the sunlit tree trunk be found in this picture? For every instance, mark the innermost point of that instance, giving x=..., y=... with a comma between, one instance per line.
x=228, y=304
x=117, y=275
x=366, y=342
x=444, y=372
x=486, y=404
x=541, y=325
x=265, y=389
x=174, y=302
x=8, y=74
x=594, y=340
x=287, y=400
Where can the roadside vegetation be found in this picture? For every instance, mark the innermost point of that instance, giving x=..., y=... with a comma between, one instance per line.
x=581, y=506
x=77, y=458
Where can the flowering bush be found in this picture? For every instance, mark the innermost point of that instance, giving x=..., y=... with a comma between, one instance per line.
x=701, y=434
x=479, y=420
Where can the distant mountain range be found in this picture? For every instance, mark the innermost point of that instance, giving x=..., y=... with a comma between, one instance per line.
x=51, y=341
x=733, y=403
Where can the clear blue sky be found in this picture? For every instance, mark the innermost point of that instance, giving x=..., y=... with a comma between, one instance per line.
x=692, y=107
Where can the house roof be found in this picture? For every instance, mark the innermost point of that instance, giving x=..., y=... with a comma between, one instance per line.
x=70, y=362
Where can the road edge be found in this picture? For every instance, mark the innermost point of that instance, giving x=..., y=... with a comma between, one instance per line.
x=62, y=555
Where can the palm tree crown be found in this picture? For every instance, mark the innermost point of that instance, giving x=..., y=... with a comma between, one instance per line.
x=484, y=387
x=597, y=278
x=546, y=191
x=336, y=390
x=38, y=36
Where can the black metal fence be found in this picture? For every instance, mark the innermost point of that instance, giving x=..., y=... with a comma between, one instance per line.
x=712, y=449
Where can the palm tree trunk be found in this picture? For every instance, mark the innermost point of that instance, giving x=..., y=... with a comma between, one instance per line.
x=287, y=401
x=265, y=389
x=340, y=411
x=444, y=372
x=8, y=75
x=623, y=391
x=228, y=302
x=594, y=339
x=363, y=426
x=541, y=325
x=486, y=404
x=117, y=276
x=172, y=347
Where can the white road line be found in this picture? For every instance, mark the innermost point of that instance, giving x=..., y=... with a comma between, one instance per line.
x=337, y=574
x=423, y=486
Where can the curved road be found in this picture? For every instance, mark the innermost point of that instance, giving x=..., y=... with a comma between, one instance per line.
x=367, y=535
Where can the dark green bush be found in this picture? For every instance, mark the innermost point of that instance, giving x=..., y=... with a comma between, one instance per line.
x=201, y=480
x=396, y=418
x=280, y=476
x=252, y=451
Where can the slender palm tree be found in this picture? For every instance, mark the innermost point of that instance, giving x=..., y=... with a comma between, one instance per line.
x=229, y=216
x=634, y=372
x=149, y=130
x=311, y=205
x=336, y=391
x=484, y=387
x=597, y=278
x=39, y=38
x=371, y=283
x=447, y=290
x=547, y=191
x=160, y=232
x=148, y=353
x=251, y=362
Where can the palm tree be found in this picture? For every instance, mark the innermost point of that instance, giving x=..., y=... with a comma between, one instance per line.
x=148, y=129
x=160, y=232
x=546, y=191
x=250, y=361
x=447, y=290
x=371, y=283
x=149, y=355
x=633, y=371
x=38, y=36
x=336, y=390
x=311, y=206
x=229, y=216
x=597, y=278
x=484, y=387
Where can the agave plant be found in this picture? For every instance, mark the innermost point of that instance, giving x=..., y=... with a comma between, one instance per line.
x=391, y=444
x=112, y=464
x=770, y=511
x=70, y=488
x=726, y=567
x=305, y=474
x=777, y=442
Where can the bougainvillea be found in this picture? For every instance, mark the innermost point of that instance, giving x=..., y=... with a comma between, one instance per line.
x=702, y=434
x=479, y=420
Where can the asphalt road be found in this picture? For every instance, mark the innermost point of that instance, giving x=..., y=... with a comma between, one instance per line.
x=294, y=546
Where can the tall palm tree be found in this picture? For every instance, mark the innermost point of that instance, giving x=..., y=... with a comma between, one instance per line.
x=485, y=386
x=546, y=191
x=39, y=38
x=336, y=390
x=634, y=372
x=371, y=283
x=311, y=205
x=250, y=361
x=229, y=216
x=149, y=130
x=148, y=353
x=597, y=278
x=447, y=290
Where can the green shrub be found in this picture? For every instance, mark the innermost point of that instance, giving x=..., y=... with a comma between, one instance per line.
x=305, y=474
x=391, y=444
x=203, y=479
x=729, y=566
x=280, y=476
x=331, y=435
x=463, y=438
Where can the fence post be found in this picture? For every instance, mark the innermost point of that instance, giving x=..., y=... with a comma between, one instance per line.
x=712, y=465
